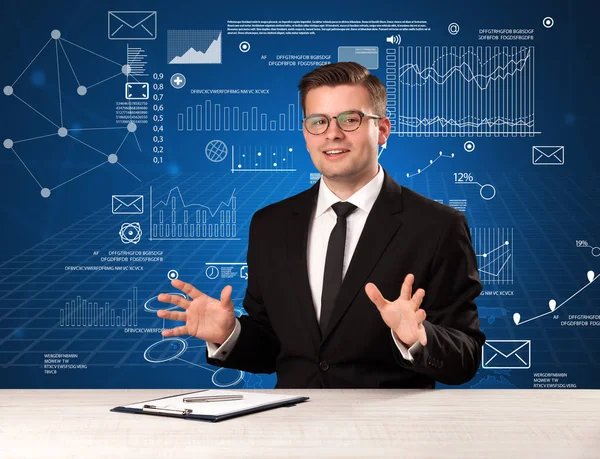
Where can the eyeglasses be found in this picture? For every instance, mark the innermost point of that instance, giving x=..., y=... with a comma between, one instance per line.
x=347, y=121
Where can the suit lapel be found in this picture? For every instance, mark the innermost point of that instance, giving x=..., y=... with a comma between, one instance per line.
x=296, y=246
x=382, y=224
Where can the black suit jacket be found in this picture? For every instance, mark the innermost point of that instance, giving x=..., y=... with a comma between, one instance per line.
x=404, y=233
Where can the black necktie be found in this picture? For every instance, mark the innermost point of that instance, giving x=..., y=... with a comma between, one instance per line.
x=334, y=261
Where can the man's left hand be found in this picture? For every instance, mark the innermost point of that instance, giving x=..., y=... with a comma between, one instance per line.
x=403, y=315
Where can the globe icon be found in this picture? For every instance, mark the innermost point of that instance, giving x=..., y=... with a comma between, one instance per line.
x=216, y=151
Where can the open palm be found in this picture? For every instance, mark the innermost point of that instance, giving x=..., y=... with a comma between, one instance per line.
x=403, y=315
x=205, y=317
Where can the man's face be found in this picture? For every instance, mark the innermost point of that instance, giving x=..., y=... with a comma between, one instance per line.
x=357, y=161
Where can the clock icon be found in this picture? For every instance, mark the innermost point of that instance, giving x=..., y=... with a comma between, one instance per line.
x=212, y=272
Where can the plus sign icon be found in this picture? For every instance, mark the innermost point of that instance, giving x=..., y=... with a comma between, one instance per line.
x=178, y=81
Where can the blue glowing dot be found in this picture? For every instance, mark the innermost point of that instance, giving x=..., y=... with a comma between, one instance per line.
x=38, y=78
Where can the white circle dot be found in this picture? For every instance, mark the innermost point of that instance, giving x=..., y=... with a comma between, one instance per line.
x=132, y=127
x=259, y=153
x=8, y=90
x=8, y=143
x=548, y=22
x=274, y=164
x=45, y=192
x=290, y=149
x=469, y=145
x=112, y=158
x=126, y=69
x=82, y=90
x=62, y=132
x=239, y=166
x=55, y=34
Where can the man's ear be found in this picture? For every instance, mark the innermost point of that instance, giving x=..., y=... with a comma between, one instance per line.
x=384, y=130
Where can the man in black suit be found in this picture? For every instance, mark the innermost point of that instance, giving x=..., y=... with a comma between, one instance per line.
x=322, y=263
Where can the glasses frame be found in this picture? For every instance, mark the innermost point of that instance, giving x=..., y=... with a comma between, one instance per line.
x=328, y=118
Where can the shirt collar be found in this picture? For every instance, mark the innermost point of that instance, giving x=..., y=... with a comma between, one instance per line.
x=364, y=198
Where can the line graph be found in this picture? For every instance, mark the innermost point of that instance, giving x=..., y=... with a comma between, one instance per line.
x=552, y=306
x=173, y=219
x=493, y=248
x=465, y=91
x=431, y=162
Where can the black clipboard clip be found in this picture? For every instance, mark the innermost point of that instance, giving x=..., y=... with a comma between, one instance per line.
x=155, y=409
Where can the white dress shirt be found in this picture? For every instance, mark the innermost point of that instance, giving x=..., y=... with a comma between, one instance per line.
x=322, y=223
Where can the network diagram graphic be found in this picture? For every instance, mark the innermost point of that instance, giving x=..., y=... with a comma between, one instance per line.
x=61, y=131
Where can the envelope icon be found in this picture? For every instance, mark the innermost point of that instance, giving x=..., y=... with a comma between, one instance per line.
x=127, y=204
x=506, y=354
x=132, y=25
x=548, y=156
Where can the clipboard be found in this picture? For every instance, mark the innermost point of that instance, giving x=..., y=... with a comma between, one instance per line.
x=174, y=407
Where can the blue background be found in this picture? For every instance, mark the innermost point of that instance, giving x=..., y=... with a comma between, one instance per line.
x=547, y=209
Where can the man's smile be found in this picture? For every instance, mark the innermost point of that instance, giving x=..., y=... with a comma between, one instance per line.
x=336, y=151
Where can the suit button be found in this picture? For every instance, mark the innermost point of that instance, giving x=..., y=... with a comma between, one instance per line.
x=324, y=366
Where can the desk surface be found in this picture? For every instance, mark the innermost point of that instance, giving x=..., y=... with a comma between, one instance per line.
x=333, y=423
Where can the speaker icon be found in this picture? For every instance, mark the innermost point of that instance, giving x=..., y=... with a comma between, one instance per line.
x=394, y=39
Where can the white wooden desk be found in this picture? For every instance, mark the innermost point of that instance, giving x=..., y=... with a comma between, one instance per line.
x=390, y=423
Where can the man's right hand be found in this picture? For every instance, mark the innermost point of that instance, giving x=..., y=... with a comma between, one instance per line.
x=206, y=318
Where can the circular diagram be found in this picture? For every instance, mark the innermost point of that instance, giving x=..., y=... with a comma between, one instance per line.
x=165, y=350
x=227, y=377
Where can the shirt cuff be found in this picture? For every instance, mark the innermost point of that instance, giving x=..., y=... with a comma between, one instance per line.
x=222, y=352
x=405, y=351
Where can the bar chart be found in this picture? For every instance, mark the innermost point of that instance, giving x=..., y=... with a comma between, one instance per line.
x=173, y=219
x=212, y=116
x=82, y=312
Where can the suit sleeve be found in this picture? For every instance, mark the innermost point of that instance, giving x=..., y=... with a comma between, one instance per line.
x=257, y=346
x=454, y=339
